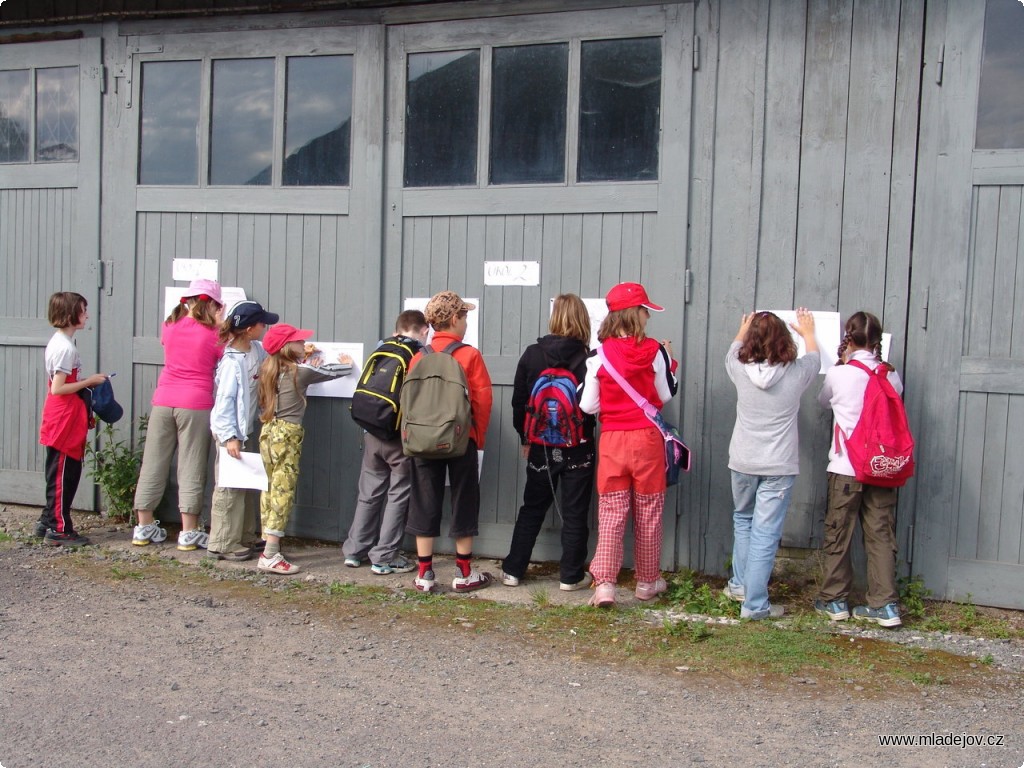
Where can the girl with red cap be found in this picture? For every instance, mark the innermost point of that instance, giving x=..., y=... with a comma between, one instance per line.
x=284, y=378
x=631, y=451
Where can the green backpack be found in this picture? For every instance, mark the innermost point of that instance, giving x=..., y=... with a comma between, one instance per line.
x=436, y=415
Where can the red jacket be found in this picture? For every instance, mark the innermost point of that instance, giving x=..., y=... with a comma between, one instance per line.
x=479, y=380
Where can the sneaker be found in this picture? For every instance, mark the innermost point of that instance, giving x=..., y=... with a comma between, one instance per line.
x=509, y=580
x=732, y=593
x=583, y=583
x=194, y=539
x=237, y=556
x=836, y=610
x=276, y=564
x=66, y=539
x=648, y=590
x=41, y=529
x=886, y=616
x=398, y=565
x=152, y=532
x=475, y=580
x=353, y=562
x=774, y=612
x=604, y=595
x=425, y=583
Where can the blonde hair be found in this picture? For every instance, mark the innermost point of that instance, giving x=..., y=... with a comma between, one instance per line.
x=623, y=322
x=203, y=311
x=281, y=363
x=569, y=317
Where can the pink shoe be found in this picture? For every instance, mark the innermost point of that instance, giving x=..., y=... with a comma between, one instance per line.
x=604, y=595
x=648, y=590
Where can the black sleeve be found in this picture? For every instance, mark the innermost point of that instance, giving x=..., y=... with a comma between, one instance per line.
x=521, y=394
x=673, y=382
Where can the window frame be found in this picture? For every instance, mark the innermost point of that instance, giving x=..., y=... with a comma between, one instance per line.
x=33, y=112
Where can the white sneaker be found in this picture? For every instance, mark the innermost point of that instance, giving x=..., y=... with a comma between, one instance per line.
x=151, y=532
x=194, y=539
x=425, y=583
x=276, y=564
x=583, y=583
x=509, y=580
x=475, y=580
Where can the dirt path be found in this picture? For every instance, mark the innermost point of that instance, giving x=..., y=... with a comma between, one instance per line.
x=139, y=673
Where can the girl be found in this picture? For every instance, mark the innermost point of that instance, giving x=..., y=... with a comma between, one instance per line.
x=631, y=455
x=283, y=382
x=64, y=426
x=567, y=346
x=764, y=453
x=232, y=420
x=180, y=416
x=848, y=500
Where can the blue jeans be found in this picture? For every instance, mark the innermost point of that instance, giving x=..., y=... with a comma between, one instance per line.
x=760, y=503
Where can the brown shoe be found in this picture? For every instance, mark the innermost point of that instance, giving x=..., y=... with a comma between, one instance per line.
x=238, y=556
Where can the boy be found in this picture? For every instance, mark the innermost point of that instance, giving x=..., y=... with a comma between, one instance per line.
x=385, y=478
x=446, y=312
x=65, y=422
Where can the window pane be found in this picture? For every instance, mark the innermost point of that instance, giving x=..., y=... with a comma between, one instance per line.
x=1001, y=98
x=14, y=116
x=620, y=107
x=169, y=140
x=317, y=117
x=528, y=114
x=57, y=115
x=441, y=114
x=242, y=122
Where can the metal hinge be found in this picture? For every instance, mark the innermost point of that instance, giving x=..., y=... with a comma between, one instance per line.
x=696, y=52
x=939, y=64
x=132, y=48
x=687, y=286
x=924, y=308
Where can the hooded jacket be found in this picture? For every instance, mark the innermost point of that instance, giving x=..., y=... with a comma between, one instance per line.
x=765, y=441
x=233, y=415
x=549, y=352
x=642, y=365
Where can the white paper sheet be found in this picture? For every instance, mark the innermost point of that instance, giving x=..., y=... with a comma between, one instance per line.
x=511, y=273
x=247, y=472
x=188, y=270
x=472, y=319
x=343, y=386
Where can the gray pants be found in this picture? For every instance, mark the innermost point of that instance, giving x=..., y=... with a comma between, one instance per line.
x=385, y=480
x=233, y=512
x=188, y=431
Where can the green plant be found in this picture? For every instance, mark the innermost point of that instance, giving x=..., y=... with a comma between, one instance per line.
x=114, y=466
x=913, y=593
x=540, y=598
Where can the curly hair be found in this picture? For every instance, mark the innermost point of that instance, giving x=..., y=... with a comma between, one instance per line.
x=768, y=340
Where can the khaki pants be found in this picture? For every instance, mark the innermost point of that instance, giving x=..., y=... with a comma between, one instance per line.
x=188, y=431
x=875, y=507
x=233, y=513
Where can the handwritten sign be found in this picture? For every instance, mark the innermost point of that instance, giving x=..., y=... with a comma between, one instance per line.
x=187, y=270
x=511, y=273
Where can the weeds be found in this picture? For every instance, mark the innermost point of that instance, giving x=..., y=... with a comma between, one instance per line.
x=115, y=468
x=913, y=593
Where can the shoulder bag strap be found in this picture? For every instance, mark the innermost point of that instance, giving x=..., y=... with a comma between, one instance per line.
x=641, y=401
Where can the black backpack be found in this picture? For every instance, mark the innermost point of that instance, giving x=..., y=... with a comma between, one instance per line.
x=376, y=400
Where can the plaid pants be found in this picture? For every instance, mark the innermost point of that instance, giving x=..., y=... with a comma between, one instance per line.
x=613, y=510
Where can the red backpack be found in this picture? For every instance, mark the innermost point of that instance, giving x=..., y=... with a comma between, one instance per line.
x=880, y=448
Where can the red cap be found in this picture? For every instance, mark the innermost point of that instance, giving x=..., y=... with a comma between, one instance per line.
x=281, y=334
x=626, y=295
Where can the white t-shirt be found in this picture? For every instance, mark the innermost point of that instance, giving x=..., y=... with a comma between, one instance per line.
x=62, y=355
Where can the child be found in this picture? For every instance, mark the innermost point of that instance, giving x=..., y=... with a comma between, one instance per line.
x=567, y=346
x=64, y=426
x=233, y=419
x=849, y=500
x=385, y=480
x=764, y=453
x=180, y=418
x=631, y=452
x=282, y=394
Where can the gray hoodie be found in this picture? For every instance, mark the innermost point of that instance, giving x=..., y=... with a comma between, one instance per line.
x=764, y=439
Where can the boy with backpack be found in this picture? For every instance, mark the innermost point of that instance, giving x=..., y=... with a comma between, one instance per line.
x=870, y=455
x=557, y=442
x=446, y=408
x=386, y=474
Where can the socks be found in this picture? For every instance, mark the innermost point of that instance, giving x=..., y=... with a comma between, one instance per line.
x=271, y=549
x=426, y=563
x=462, y=562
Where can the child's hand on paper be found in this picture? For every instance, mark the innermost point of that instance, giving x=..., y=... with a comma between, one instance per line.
x=234, y=448
x=345, y=359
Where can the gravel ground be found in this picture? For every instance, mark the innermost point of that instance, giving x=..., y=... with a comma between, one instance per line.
x=142, y=674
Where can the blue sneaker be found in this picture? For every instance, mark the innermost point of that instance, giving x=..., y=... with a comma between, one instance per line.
x=836, y=610
x=886, y=616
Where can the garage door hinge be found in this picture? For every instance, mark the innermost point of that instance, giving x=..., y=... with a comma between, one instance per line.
x=939, y=64
x=696, y=52
x=687, y=286
x=924, y=308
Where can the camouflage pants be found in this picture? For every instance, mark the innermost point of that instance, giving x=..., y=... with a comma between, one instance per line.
x=281, y=449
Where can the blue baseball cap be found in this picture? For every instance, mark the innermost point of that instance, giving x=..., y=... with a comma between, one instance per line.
x=246, y=314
